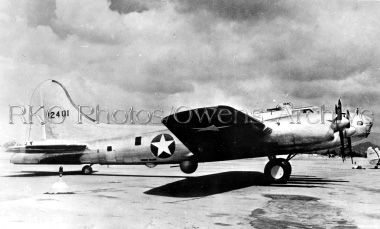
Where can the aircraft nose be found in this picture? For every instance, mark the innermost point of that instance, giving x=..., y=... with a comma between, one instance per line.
x=369, y=127
x=368, y=123
x=369, y=120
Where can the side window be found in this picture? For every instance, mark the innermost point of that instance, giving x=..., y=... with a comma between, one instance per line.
x=109, y=148
x=138, y=141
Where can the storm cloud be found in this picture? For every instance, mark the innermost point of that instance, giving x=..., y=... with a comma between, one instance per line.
x=196, y=53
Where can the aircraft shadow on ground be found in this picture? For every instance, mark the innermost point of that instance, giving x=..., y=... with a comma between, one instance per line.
x=229, y=181
x=200, y=186
x=42, y=173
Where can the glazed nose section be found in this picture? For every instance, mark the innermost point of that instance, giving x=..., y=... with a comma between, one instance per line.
x=369, y=126
x=368, y=123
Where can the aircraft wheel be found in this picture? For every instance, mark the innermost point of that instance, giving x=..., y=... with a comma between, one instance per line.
x=86, y=170
x=288, y=166
x=278, y=171
x=189, y=166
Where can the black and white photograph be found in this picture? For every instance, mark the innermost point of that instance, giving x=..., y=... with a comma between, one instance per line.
x=189, y=114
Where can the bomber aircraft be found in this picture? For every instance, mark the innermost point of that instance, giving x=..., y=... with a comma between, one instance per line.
x=201, y=135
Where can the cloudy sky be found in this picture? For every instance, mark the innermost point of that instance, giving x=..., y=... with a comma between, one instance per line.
x=245, y=53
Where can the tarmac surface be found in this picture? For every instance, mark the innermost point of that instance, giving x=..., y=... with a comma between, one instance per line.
x=321, y=193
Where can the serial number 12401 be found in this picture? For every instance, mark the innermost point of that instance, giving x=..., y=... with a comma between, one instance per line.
x=58, y=114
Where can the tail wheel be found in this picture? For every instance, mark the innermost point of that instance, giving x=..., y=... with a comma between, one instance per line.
x=87, y=170
x=278, y=171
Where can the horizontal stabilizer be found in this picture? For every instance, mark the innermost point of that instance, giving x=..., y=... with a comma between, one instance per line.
x=47, y=149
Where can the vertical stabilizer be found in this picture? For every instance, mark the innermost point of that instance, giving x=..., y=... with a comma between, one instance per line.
x=43, y=126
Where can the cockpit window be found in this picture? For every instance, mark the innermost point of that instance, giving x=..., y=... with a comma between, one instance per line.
x=360, y=123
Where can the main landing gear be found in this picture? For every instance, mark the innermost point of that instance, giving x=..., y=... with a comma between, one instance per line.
x=87, y=170
x=278, y=170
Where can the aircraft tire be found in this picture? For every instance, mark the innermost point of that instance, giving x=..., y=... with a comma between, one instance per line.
x=188, y=166
x=288, y=166
x=87, y=170
x=277, y=171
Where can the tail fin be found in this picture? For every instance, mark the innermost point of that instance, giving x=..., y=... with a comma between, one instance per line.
x=61, y=115
x=59, y=112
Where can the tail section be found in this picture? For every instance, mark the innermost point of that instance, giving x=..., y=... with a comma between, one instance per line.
x=56, y=114
x=68, y=121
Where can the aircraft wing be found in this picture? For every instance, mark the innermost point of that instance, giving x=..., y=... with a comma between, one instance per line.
x=216, y=133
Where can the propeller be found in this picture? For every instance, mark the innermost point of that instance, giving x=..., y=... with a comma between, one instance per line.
x=342, y=131
x=349, y=138
x=338, y=112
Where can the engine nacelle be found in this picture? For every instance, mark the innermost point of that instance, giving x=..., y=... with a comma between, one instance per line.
x=188, y=166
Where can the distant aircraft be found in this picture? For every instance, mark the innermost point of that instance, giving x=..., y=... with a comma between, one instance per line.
x=204, y=135
x=373, y=157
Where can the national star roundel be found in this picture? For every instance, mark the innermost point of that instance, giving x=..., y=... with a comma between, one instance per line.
x=162, y=146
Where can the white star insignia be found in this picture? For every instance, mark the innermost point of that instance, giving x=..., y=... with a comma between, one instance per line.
x=163, y=146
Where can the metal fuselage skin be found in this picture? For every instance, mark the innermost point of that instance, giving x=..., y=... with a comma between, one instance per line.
x=123, y=150
x=286, y=137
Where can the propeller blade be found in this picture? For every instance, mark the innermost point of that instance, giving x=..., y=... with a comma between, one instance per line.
x=339, y=110
x=341, y=136
x=350, y=149
x=348, y=118
x=339, y=124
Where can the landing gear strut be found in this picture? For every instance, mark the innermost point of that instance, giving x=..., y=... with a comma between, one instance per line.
x=278, y=170
x=87, y=170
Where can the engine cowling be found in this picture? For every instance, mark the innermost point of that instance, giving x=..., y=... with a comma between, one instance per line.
x=188, y=166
